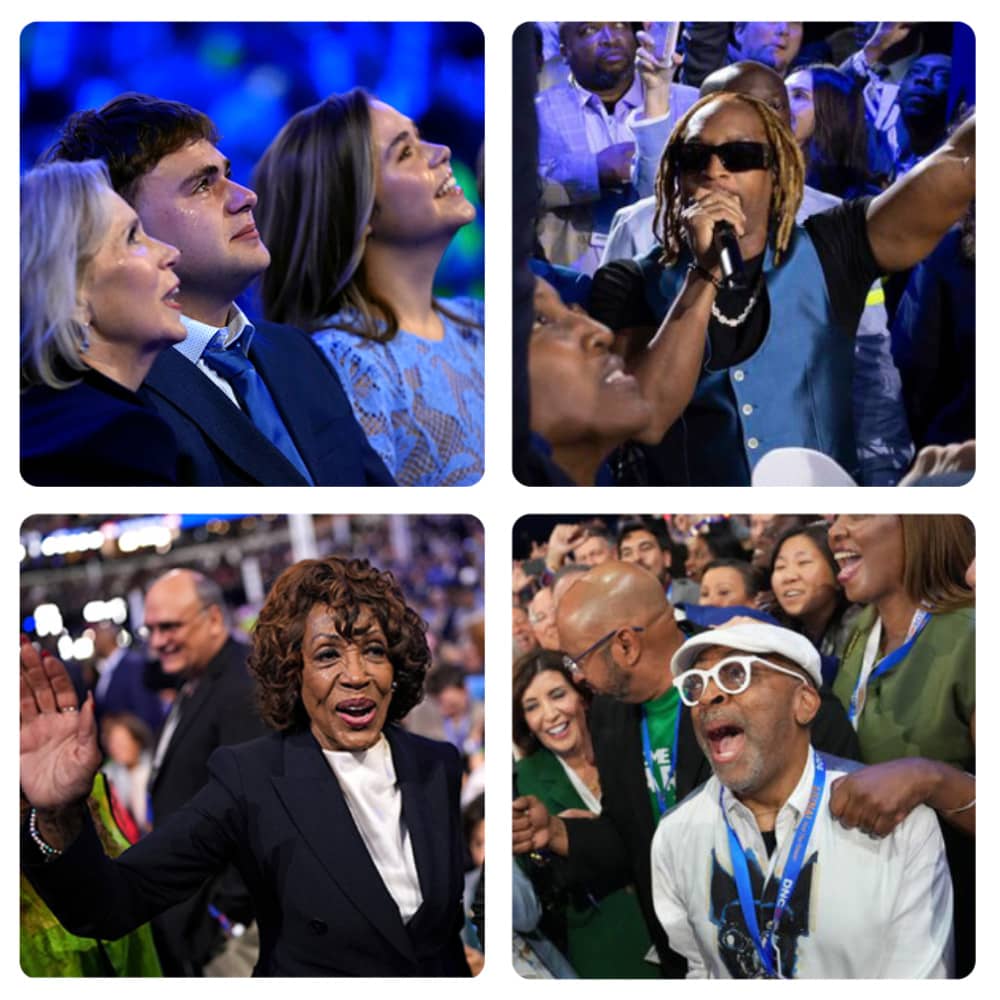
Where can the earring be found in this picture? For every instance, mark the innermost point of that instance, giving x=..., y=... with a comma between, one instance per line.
x=393, y=685
x=84, y=339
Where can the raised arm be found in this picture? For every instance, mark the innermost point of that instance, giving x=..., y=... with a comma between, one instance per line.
x=668, y=369
x=906, y=221
x=59, y=752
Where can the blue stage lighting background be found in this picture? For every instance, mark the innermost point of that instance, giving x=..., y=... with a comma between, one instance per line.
x=249, y=78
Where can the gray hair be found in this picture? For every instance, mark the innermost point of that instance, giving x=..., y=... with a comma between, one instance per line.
x=63, y=220
x=210, y=595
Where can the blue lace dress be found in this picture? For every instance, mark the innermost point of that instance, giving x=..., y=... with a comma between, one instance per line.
x=420, y=402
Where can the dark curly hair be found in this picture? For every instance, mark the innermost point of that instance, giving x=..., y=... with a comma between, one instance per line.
x=347, y=587
x=526, y=669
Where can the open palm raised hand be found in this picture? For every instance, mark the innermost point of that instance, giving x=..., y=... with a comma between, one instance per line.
x=59, y=752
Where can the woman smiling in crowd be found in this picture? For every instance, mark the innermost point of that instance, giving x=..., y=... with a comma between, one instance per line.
x=98, y=304
x=908, y=682
x=603, y=938
x=345, y=828
x=803, y=579
x=357, y=210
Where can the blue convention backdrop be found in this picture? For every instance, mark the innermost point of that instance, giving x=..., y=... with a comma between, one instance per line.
x=249, y=78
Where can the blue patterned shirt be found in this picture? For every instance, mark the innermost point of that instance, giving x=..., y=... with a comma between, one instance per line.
x=420, y=402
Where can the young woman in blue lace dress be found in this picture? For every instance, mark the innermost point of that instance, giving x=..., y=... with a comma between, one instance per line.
x=357, y=210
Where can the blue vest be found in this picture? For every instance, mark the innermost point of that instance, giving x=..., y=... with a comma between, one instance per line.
x=795, y=390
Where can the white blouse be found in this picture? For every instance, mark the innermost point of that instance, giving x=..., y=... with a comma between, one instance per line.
x=368, y=780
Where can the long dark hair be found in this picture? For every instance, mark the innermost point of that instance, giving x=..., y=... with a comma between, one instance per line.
x=526, y=669
x=818, y=532
x=316, y=190
x=837, y=156
x=316, y=185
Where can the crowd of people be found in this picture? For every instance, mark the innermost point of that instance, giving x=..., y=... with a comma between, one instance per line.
x=744, y=746
x=755, y=243
x=139, y=246
x=143, y=750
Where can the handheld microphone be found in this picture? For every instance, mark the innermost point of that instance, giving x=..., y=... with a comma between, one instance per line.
x=730, y=259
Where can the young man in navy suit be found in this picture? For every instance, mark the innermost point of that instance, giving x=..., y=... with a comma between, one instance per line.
x=251, y=404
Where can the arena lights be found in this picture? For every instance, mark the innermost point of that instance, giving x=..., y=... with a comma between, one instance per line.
x=157, y=536
x=75, y=649
x=64, y=543
x=83, y=648
x=48, y=620
x=114, y=610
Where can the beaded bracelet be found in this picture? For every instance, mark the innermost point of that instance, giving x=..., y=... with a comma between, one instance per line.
x=47, y=850
x=703, y=272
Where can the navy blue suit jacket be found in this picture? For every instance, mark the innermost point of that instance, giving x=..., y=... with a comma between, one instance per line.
x=219, y=445
x=275, y=808
x=126, y=692
x=95, y=433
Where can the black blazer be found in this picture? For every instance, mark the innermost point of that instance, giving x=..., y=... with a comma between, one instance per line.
x=127, y=692
x=219, y=445
x=94, y=433
x=220, y=712
x=275, y=808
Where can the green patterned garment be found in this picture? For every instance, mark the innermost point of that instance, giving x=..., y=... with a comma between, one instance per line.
x=47, y=949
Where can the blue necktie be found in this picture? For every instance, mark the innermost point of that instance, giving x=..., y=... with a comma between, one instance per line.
x=237, y=369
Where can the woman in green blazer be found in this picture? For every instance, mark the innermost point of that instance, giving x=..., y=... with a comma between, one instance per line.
x=604, y=938
x=908, y=682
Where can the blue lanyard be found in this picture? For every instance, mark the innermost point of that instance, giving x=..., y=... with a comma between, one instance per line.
x=920, y=620
x=793, y=868
x=647, y=752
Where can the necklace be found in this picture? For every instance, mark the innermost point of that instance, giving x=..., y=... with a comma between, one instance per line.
x=733, y=321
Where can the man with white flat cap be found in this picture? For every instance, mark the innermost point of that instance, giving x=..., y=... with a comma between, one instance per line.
x=752, y=875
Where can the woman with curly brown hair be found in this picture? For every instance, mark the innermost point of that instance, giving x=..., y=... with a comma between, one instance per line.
x=345, y=827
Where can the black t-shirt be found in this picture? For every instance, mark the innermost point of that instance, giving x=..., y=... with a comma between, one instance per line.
x=840, y=235
x=770, y=841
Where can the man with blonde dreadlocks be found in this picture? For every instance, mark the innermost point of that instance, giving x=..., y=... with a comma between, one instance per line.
x=882, y=436
x=777, y=364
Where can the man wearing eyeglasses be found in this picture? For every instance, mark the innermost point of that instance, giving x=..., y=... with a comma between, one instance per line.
x=187, y=631
x=585, y=145
x=752, y=875
x=621, y=633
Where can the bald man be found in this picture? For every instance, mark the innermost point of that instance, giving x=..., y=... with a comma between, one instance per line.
x=618, y=627
x=881, y=432
x=187, y=629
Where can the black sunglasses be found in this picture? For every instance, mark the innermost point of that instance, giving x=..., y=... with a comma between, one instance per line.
x=694, y=157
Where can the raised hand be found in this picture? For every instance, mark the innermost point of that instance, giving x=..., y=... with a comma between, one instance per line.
x=885, y=35
x=59, y=752
x=562, y=541
x=707, y=207
x=614, y=164
x=656, y=60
